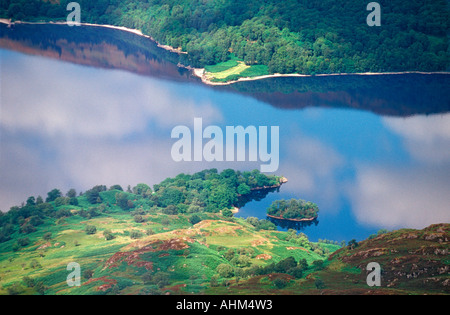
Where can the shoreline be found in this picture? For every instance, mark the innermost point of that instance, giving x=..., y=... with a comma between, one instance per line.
x=120, y=28
x=201, y=72
x=293, y=220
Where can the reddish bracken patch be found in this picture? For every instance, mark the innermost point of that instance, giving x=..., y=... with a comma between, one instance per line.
x=131, y=258
x=174, y=244
x=109, y=283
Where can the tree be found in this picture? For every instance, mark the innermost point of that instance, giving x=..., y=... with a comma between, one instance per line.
x=47, y=236
x=90, y=229
x=88, y=273
x=161, y=279
x=116, y=187
x=143, y=190
x=170, y=196
x=138, y=218
x=195, y=219
x=72, y=193
x=280, y=283
x=31, y=201
x=285, y=265
x=147, y=278
x=122, y=201
x=108, y=235
x=353, y=244
x=227, y=213
x=93, y=196
x=319, y=284
x=225, y=270
x=243, y=189
x=136, y=234
x=53, y=194
x=214, y=282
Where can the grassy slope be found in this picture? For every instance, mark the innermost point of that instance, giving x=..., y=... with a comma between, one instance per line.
x=413, y=261
x=178, y=248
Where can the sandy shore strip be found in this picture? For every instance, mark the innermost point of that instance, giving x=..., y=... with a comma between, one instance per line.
x=201, y=72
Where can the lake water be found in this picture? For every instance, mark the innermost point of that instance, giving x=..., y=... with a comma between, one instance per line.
x=90, y=106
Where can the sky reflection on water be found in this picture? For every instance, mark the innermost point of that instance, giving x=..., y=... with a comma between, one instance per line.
x=70, y=126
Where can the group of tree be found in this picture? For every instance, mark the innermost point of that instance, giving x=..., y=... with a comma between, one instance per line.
x=235, y=267
x=292, y=36
x=208, y=190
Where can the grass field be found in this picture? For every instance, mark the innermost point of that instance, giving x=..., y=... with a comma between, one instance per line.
x=234, y=69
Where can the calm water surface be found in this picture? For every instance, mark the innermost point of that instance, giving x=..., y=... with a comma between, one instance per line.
x=370, y=155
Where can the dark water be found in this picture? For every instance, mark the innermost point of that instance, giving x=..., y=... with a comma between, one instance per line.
x=87, y=106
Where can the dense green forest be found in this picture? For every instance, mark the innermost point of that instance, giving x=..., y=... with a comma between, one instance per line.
x=293, y=209
x=292, y=36
x=206, y=191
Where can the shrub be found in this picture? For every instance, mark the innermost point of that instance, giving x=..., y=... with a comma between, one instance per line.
x=280, y=283
x=88, y=273
x=319, y=284
x=194, y=219
x=108, y=235
x=227, y=213
x=90, y=229
x=47, y=236
x=136, y=234
x=225, y=270
x=139, y=218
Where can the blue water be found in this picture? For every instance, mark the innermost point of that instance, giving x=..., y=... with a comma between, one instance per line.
x=70, y=126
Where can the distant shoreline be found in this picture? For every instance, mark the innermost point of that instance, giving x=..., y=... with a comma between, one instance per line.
x=121, y=28
x=201, y=72
x=294, y=220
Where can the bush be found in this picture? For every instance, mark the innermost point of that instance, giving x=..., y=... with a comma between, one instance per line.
x=23, y=241
x=214, y=282
x=139, y=219
x=88, y=273
x=108, y=235
x=161, y=279
x=225, y=270
x=227, y=213
x=280, y=283
x=194, y=219
x=319, y=284
x=47, y=236
x=90, y=229
x=136, y=234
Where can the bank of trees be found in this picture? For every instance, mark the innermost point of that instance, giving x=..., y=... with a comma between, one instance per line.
x=208, y=190
x=293, y=36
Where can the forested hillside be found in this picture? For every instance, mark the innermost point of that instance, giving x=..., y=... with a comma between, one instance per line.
x=292, y=36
